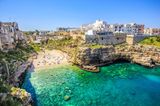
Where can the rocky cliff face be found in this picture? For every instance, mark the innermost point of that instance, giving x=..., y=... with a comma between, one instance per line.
x=144, y=55
x=10, y=35
x=13, y=55
x=88, y=56
x=13, y=92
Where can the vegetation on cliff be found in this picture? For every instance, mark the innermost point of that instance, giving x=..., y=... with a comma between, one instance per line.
x=9, y=63
x=155, y=41
x=66, y=44
x=6, y=99
x=59, y=44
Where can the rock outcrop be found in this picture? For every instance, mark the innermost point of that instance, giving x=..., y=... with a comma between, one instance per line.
x=23, y=95
x=18, y=77
x=144, y=55
x=13, y=67
x=10, y=35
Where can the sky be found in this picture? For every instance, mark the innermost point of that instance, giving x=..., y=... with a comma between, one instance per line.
x=49, y=14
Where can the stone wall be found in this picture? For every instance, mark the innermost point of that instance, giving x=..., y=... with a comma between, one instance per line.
x=114, y=39
x=105, y=40
x=132, y=39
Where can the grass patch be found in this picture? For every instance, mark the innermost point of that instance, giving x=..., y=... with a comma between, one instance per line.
x=95, y=46
x=155, y=41
x=58, y=44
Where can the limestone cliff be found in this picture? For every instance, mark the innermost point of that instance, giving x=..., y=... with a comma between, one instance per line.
x=144, y=55
x=10, y=35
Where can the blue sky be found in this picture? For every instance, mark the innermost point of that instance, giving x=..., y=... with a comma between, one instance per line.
x=49, y=14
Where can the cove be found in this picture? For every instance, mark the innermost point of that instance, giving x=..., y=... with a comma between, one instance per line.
x=119, y=84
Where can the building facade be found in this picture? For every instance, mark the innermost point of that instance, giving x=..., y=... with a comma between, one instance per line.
x=103, y=38
x=131, y=28
x=116, y=28
x=102, y=26
x=152, y=31
x=99, y=25
x=102, y=33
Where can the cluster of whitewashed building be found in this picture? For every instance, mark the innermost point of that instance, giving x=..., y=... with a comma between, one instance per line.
x=103, y=33
x=102, y=26
x=10, y=35
x=131, y=28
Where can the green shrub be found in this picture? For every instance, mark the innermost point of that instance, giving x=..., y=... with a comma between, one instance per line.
x=154, y=40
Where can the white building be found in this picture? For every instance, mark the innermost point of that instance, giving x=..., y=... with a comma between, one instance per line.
x=102, y=26
x=43, y=32
x=117, y=28
x=103, y=38
x=90, y=32
x=131, y=28
x=97, y=26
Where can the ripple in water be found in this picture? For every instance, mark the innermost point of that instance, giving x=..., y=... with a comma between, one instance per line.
x=120, y=84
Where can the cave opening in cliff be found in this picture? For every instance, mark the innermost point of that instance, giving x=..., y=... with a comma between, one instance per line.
x=121, y=60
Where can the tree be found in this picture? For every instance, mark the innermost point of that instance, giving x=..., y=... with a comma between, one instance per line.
x=158, y=39
x=151, y=40
x=6, y=68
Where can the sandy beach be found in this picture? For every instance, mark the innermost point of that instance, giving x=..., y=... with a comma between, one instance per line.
x=51, y=58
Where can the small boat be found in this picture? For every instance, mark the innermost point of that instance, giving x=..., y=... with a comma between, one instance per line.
x=90, y=68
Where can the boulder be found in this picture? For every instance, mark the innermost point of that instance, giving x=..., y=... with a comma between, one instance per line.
x=66, y=97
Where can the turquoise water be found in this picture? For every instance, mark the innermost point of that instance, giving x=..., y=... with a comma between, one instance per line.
x=120, y=84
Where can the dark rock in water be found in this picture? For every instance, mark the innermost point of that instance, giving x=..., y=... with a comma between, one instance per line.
x=59, y=94
x=133, y=93
x=63, y=82
x=82, y=73
x=66, y=97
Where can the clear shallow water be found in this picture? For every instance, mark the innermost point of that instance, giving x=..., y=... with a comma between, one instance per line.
x=120, y=84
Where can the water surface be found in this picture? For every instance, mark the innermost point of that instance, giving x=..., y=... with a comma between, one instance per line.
x=120, y=84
